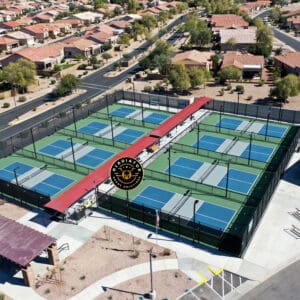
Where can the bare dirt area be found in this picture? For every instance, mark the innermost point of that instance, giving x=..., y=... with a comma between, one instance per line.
x=11, y=211
x=106, y=252
x=254, y=94
x=167, y=285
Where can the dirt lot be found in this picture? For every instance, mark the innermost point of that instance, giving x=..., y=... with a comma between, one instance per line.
x=108, y=251
x=11, y=211
x=258, y=94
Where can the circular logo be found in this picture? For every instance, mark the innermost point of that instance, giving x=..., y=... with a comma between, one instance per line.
x=126, y=173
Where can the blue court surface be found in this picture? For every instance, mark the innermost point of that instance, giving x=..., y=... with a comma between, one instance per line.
x=208, y=142
x=272, y=130
x=56, y=147
x=129, y=135
x=156, y=118
x=214, y=216
x=7, y=173
x=259, y=153
x=94, y=158
x=238, y=181
x=153, y=197
x=92, y=128
x=122, y=112
x=52, y=185
x=184, y=167
x=229, y=123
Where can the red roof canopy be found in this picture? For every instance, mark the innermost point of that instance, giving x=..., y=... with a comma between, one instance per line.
x=21, y=244
x=62, y=202
x=178, y=118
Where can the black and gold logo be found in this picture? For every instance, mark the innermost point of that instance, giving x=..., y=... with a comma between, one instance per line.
x=126, y=173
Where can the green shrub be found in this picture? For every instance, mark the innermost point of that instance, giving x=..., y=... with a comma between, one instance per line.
x=5, y=105
x=240, y=89
x=22, y=99
x=53, y=81
x=147, y=89
x=82, y=67
x=261, y=82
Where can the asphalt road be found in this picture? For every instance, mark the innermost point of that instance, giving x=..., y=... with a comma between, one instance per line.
x=95, y=84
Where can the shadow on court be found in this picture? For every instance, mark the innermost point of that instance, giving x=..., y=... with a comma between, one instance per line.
x=292, y=174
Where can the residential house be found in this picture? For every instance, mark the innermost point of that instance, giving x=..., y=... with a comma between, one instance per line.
x=102, y=33
x=45, y=57
x=293, y=13
x=194, y=58
x=131, y=17
x=89, y=17
x=254, y=7
x=237, y=39
x=8, y=44
x=81, y=45
x=25, y=21
x=250, y=65
x=23, y=38
x=39, y=31
x=43, y=18
x=119, y=26
x=75, y=23
x=217, y=22
x=294, y=23
x=10, y=25
x=289, y=62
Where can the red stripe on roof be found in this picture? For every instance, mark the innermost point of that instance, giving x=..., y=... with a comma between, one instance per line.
x=178, y=118
x=62, y=202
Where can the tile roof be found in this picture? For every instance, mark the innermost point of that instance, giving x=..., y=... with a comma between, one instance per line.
x=294, y=20
x=291, y=59
x=228, y=20
x=81, y=43
x=7, y=41
x=120, y=24
x=101, y=37
x=235, y=58
x=41, y=53
x=13, y=24
x=241, y=35
x=193, y=56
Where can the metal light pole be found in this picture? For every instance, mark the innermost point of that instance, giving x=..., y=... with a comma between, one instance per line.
x=133, y=92
x=238, y=102
x=198, y=132
x=194, y=216
x=16, y=176
x=220, y=121
x=112, y=131
x=250, y=146
x=169, y=160
x=74, y=119
x=107, y=109
x=73, y=154
x=227, y=177
x=152, y=292
x=267, y=127
x=33, y=142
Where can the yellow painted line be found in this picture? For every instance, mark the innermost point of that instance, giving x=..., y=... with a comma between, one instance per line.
x=217, y=272
x=204, y=279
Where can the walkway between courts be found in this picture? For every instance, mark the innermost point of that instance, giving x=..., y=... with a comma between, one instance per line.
x=116, y=278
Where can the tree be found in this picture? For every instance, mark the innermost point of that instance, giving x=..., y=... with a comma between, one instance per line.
x=163, y=63
x=149, y=21
x=93, y=60
x=229, y=73
x=286, y=87
x=264, y=40
x=230, y=43
x=106, y=56
x=163, y=17
x=20, y=73
x=132, y=6
x=137, y=29
x=198, y=76
x=215, y=59
x=179, y=77
x=67, y=84
x=124, y=39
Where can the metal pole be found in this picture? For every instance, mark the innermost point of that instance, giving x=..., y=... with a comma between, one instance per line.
x=151, y=275
x=112, y=131
x=194, y=216
x=33, y=142
x=133, y=92
x=107, y=109
x=16, y=176
x=227, y=177
x=250, y=146
x=73, y=154
x=169, y=160
x=221, y=108
x=198, y=131
x=142, y=104
x=74, y=120
x=127, y=202
x=268, y=119
x=238, y=103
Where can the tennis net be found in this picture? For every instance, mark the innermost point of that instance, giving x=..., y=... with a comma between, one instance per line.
x=33, y=174
x=76, y=148
x=106, y=131
x=209, y=170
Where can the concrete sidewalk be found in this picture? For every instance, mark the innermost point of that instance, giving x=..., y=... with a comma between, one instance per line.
x=116, y=278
